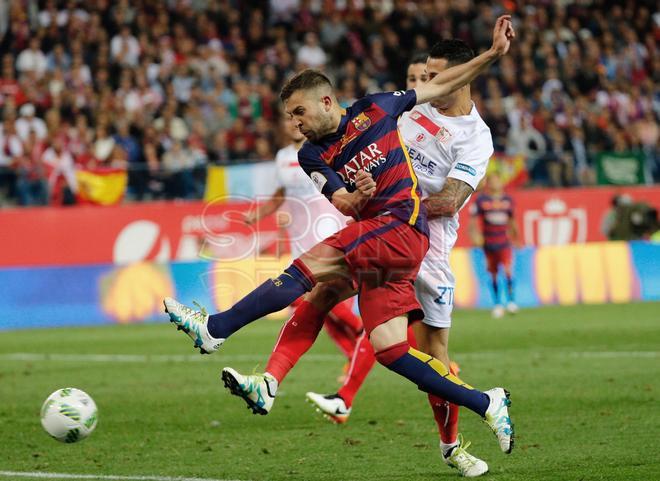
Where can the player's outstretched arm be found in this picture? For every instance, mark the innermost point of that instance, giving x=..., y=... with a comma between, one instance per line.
x=350, y=203
x=475, y=233
x=513, y=232
x=456, y=77
x=264, y=210
x=449, y=200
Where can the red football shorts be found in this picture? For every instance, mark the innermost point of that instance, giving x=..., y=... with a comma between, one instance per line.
x=383, y=254
x=499, y=257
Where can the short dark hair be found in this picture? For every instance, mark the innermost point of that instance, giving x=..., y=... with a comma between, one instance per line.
x=306, y=80
x=418, y=58
x=453, y=50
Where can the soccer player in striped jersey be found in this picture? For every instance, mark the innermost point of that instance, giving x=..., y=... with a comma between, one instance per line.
x=356, y=158
x=494, y=209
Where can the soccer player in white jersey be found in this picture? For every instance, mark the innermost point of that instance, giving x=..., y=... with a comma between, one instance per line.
x=308, y=219
x=449, y=146
x=259, y=390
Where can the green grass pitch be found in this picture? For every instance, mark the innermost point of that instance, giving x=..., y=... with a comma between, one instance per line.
x=583, y=380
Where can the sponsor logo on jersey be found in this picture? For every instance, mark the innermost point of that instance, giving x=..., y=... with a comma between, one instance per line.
x=420, y=137
x=466, y=168
x=362, y=122
x=367, y=159
x=420, y=162
x=497, y=217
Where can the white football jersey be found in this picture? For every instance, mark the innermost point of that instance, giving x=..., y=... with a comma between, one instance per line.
x=442, y=147
x=311, y=218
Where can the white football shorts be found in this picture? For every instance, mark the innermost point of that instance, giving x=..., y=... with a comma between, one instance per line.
x=434, y=288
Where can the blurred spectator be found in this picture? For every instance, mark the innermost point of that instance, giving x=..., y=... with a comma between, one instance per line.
x=62, y=183
x=584, y=170
x=31, y=184
x=103, y=146
x=58, y=59
x=219, y=150
x=648, y=133
x=128, y=143
x=4, y=17
x=311, y=54
x=32, y=61
x=124, y=48
x=333, y=30
x=178, y=164
x=182, y=83
x=558, y=159
x=28, y=122
x=170, y=124
x=240, y=140
x=11, y=149
x=496, y=119
x=246, y=104
x=10, y=89
x=525, y=140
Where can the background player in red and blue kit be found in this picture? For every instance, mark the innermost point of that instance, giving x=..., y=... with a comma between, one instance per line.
x=493, y=226
x=356, y=158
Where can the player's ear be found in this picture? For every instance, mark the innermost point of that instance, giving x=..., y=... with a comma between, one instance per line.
x=327, y=101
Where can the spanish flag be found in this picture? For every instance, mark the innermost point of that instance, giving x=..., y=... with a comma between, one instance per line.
x=101, y=186
x=511, y=168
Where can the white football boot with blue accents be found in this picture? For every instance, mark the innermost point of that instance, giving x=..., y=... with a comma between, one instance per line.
x=194, y=323
x=497, y=417
x=467, y=465
x=257, y=390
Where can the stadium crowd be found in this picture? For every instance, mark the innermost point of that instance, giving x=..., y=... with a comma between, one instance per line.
x=165, y=88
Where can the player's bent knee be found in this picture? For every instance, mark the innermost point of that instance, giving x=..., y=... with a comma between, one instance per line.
x=327, y=295
x=390, y=354
x=299, y=270
x=325, y=262
x=388, y=333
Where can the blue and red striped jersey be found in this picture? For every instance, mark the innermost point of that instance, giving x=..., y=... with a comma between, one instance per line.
x=367, y=138
x=495, y=214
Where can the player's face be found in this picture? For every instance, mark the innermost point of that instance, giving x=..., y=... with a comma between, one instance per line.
x=415, y=75
x=310, y=112
x=433, y=67
x=494, y=183
x=291, y=129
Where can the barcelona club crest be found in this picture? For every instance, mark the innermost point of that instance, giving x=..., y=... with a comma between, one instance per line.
x=362, y=122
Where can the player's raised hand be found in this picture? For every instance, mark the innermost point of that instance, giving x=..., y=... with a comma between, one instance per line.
x=502, y=35
x=365, y=183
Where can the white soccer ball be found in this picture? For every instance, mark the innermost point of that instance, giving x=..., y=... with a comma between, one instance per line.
x=69, y=415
